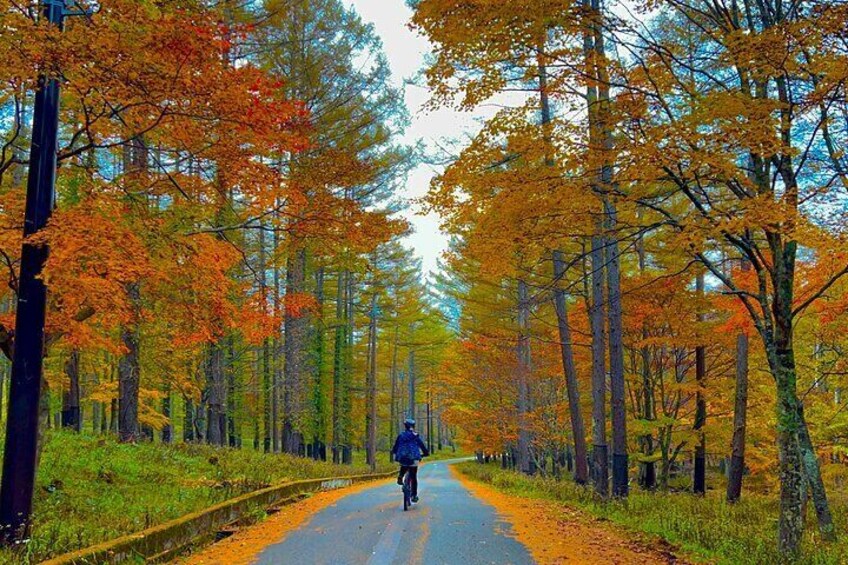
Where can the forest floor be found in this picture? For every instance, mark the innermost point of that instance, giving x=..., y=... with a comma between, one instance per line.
x=458, y=521
x=92, y=489
x=705, y=529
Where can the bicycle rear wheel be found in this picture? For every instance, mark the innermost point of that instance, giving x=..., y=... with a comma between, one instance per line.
x=406, y=493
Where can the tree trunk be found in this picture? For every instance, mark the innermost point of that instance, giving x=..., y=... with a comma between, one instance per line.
x=294, y=349
x=71, y=417
x=603, y=142
x=271, y=437
x=699, y=476
x=200, y=416
x=343, y=360
x=597, y=316
x=128, y=376
x=3, y=373
x=96, y=415
x=216, y=384
x=371, y=387
x=740, y=421
x=113, y=416
x=600, y=455
x=43, y=417
x=411, y=376
x=340, y=340
x=109, y=424
x=188, y=421
x=616, y=354
x=320, y=386
x=394, y=420
x=814, y=478
x=781, y=357
x=276, y=358
x=135, y=162
x=791, y=522
x=581, y=471
x=167, y=429
x=648, y=474
x=649, y=467
x=524, y=434
x=19, y=171
x=270, y=440
x=104, y=422
x=350, y=295
x=233, y=429
x=797, y=454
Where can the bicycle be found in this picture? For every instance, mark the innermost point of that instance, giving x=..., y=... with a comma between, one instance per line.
x=407, y=492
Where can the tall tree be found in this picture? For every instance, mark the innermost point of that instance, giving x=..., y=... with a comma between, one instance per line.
x=371, y=386
x=581, y=472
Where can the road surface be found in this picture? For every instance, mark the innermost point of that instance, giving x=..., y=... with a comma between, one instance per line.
x=449, y=525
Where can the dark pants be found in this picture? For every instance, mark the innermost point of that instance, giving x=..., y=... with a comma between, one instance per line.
x=413, y=477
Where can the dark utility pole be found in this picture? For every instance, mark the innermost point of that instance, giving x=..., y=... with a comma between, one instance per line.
x=699, y=479
x=22, y=423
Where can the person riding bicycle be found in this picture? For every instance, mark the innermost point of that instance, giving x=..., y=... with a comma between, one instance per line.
x=408, y=451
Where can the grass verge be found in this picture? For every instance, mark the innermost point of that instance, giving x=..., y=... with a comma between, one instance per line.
x=705, y=528
x=93, y=489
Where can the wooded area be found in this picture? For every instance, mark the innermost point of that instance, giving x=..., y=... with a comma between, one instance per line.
x=645, y=286
x=649, y=233
x=225, y=261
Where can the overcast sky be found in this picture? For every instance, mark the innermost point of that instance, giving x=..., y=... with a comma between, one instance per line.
x=406, y=51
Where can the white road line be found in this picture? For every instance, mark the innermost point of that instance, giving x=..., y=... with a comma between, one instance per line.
x=387, y=546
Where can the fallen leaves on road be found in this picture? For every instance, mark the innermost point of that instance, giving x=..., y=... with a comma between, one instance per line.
x=554, y=533
x=244, y=546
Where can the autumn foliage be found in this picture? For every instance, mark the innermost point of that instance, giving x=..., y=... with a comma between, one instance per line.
x=222, y=210
x=686, y=160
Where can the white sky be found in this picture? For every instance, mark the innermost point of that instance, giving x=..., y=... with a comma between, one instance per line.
x=406, y=51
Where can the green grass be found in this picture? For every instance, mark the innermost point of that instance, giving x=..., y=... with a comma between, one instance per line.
x=446, y=454
x=704, y=528
x=92, y=489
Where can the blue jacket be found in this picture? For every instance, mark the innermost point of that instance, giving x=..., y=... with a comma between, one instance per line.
x=411, y=437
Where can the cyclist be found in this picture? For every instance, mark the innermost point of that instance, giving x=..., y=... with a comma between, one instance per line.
x=408, y=451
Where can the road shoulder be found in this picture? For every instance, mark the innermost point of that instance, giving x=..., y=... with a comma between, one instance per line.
x=555, y=533
x=244, y=546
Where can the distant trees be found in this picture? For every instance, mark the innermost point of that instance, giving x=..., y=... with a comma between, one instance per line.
x=224, y=260
x=700, y=140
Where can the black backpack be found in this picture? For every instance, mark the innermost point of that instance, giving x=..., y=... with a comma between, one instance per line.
x=408, y=451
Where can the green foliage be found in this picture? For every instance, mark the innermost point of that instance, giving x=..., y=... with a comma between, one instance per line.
x=705, y=528
x=90, y=490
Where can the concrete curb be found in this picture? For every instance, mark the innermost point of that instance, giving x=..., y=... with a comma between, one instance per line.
x=167, y=540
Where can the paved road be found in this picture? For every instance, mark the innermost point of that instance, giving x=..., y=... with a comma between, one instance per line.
x=448, y=526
